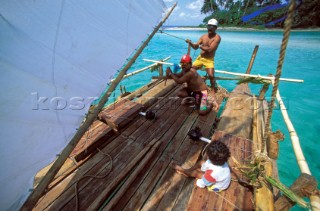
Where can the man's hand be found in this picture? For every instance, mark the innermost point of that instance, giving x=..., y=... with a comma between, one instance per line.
x=188, y=41
x=168, y=72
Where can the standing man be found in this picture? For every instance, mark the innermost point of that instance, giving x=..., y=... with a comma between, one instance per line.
x=208, y=43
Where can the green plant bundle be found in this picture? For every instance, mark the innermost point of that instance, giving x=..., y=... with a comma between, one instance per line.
x=254, y=80
x=286, y=191
x=155, y=68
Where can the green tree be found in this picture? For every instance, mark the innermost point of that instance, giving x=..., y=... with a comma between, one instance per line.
x=229, y=12
x=307, y=14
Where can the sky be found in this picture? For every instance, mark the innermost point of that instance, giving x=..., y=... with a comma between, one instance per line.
x=186, y=13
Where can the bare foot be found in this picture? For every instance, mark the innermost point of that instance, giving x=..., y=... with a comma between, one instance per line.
x=179, y=169
x=216, y=106
x=205, y=112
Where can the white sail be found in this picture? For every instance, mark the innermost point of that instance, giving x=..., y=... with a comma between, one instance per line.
x=55, y=58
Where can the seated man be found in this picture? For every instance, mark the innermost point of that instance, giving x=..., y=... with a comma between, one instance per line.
x=196, y=87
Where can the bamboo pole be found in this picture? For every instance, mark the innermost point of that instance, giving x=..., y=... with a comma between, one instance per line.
x=252, y=59
x=41, y=188
x=158, y=62
x=263, y=196
x=238, y=74
x=302, y=163
x=140, y=70
x=259, y=76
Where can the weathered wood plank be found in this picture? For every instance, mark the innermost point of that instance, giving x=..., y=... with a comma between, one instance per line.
x=134, y=198
x=88, y=193
x=119, y=115
x=236, y=118
x=171, y=184
x=92, y=187
x=90, y=167
x=179, y=138
x=120, y=142
x=235, y=197
x=120, y=177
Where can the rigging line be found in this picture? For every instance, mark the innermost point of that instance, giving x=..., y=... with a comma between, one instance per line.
x=285, y=39
x=53, y=64
x=229, y=202
x=161, y=31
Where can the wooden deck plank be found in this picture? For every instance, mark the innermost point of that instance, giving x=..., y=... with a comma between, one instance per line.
x=101, y=168
x=152, y=199
x=118, y=115
x=158, y=186
x=235, y=197
x=87, y=192
x=140, y=142
x=95, y=186
x=119, y=142
x=169, y=191
x=171, y=151
x=135, y=198
x=236, y=119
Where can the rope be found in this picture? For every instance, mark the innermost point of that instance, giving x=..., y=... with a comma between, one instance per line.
x=161, y=31
x=286, y=34
x=229, y=202
x=92, y=176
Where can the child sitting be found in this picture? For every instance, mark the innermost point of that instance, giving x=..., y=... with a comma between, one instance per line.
x=214, y=173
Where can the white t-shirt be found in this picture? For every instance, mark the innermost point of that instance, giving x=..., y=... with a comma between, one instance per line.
x=219, y=176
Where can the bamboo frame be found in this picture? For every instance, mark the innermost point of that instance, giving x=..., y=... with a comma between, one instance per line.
x=259, y=76
x=237, y=74
x=255, y=50
x=41, y=188
x=302, y=163
x=141, y=70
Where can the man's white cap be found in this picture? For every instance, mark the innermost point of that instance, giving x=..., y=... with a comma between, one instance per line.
x=213, y=22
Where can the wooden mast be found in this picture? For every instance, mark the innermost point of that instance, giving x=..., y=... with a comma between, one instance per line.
x=41, y=188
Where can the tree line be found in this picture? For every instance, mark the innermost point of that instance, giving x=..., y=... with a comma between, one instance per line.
x=261, y=13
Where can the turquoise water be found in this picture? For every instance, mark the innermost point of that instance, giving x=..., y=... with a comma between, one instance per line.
x=301, y=99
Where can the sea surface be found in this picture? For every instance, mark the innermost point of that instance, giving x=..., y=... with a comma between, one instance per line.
x=302, y=61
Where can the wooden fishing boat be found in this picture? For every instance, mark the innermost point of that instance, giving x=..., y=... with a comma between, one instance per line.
x=121, y=160
x=125, y=163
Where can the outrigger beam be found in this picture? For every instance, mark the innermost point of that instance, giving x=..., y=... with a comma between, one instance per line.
x=259, y=76
x=143, y=69
x=237, y=74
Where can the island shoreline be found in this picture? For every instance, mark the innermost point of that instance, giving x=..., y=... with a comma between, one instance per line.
x=228, y=28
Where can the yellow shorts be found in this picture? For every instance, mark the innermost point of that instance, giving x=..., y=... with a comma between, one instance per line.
x=200, y=62
x=213, y=189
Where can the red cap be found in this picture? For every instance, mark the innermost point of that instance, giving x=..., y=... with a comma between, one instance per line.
x=186, y=59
